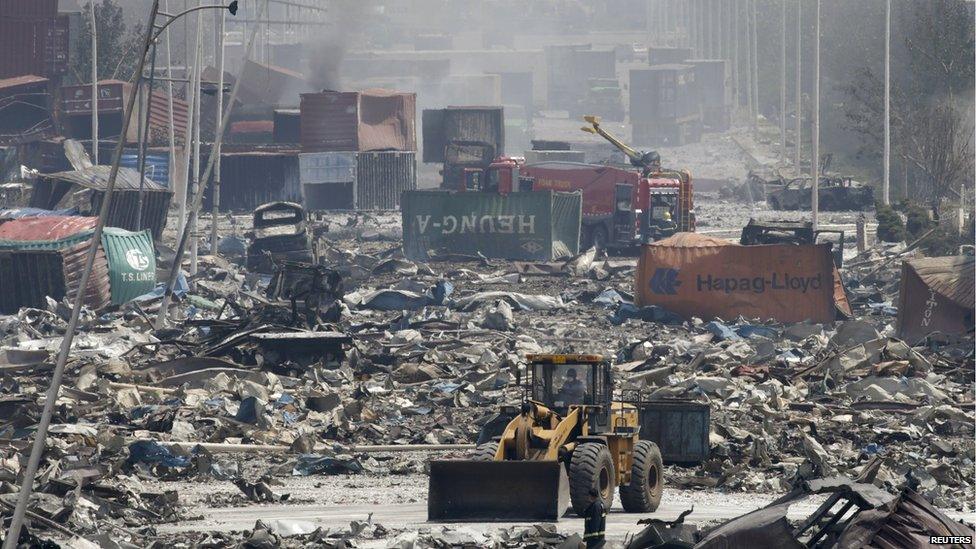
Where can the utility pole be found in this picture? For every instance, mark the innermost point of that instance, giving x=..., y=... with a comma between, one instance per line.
x=782, y=83
x=215, y=149
x=195, y=188
x=169, y=106
x=94, y=83
x=798, y=129
x=736, y=34
x=885, y=184
x=815, y=156
x=750, y=99
x=709, y=36
x=755, y=66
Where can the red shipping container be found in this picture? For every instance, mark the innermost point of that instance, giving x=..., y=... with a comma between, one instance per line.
x=371, y=120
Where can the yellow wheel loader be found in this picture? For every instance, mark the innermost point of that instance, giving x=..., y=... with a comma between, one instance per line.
x=568, y=436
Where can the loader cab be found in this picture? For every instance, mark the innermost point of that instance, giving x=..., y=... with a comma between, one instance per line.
x=563, y=381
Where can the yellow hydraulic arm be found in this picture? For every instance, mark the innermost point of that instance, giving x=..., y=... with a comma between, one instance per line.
x=635, y=156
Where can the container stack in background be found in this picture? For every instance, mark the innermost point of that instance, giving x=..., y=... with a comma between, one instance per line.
x=359, y=149
x=677, y=97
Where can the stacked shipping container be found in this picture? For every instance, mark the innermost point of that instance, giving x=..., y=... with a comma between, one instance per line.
x=33, y=39
x=358, y=149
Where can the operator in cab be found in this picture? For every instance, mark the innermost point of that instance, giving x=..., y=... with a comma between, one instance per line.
x=573, y=390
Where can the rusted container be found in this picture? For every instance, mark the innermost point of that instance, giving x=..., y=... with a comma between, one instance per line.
x=51, y=190
x=33, y=46
x=371, y=120
x=25, y=110
x=29, y=9
x=44, y=257
x=287, y=126
x=113, y=95
x=936, y=295
x=357, y=181
x=442, y=127
x=252, y=178
x=699, y=276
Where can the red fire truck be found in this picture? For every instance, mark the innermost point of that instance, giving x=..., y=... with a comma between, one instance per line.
x=621, y=207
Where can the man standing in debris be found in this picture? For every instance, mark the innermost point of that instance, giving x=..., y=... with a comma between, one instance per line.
x=573, y=390
x=594, y=521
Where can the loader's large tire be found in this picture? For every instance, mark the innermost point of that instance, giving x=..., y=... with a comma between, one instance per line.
x=591, y=466
x=485, y=452
x=643, y=494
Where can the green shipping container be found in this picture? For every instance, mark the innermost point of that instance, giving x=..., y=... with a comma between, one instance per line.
x=131, y=263
x=527, y=226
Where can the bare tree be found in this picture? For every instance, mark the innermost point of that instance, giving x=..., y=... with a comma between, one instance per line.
x=942, y=149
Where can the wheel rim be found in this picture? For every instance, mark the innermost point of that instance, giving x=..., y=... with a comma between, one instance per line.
x=604, y=483
x=652, y=479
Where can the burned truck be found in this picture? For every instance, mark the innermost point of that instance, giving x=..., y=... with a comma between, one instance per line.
x=280, y=233
x=836, y=194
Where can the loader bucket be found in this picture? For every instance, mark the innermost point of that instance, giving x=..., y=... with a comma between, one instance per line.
x=511, y=491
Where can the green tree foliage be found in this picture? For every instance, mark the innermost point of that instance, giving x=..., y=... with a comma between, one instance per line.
x=117, y=44
x=890, y=226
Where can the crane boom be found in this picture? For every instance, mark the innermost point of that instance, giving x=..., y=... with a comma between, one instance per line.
x=647, y=160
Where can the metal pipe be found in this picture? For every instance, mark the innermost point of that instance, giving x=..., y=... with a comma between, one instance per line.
x=181, y=246
x=51, y=398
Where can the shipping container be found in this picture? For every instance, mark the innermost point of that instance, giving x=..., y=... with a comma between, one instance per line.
x=664, y=105
x=698, y=276
x=357, y=181
x=25, y=110
x=661, y=55
x=157, y=164
x=679, y=428
x=44, y=257
x=517, y=89
x=113, y=95
x=287, y=126
x=715, y=92
x=529, y=226
x=28, y=9
x=131, y=259
x=442, y=127
x=33, y=46
x=568, y=68
x=250, y=179
x=371, y=120
x=52, y=191
x=936, y=295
